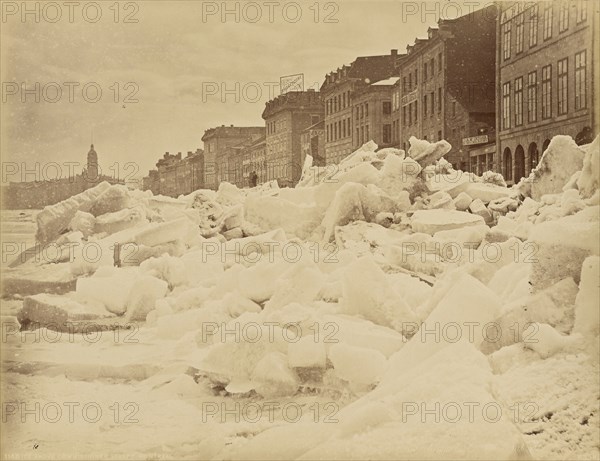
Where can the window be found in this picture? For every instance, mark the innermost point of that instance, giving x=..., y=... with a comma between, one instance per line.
x=410, y=81
x=343, y=128
x=439, y=62
x=366, y=110
x=387, y=107
x=416, y=111
x=580, y=80
x=547, y=91
x=563, y=17
x=387, y=133
x=367, y=137
x=362, y=134
x=532, y=97
x=424, y=106
x=404, y=87
x=533, y=26
x=356, y=116
x=404, y=116
x=432, y=96
x=432, y=66
x=416, y=77
x=439, y=135
x=425, y=72
x=410, y=114
x=439, y=99
x=581, y=11
x=519, y=31
x=362, y=111
x=506, y=106
x=519, y=101
x=328, y=138
x=506, y=40
x=548, y=21
x=563, y=85
x=357, y=138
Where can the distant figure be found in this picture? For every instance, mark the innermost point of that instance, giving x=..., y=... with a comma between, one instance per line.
x=253, y=179
x=585, y=136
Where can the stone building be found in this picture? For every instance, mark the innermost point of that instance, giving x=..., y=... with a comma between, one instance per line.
x=312, y=142
x=338, y=91
x=254, y=163
x=43, y=192
x=176, y=175
x=372, y=113
x=446, y=88
x=547, y=78
x=286, y=117
x=217, y=157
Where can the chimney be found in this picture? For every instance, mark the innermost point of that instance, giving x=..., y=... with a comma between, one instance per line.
x=394, y=52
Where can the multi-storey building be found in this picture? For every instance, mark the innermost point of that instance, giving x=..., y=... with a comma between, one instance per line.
x=216, y=158
x=338, y=92
x=175, y=175
x=254, y=163
x=372, y=113
x=312, y=141
x=547, y=81
x=446, y=88
x=286, y=117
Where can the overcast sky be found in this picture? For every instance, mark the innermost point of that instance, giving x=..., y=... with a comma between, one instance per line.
x=174, y=58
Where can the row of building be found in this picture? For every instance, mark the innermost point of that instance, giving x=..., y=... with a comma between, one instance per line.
x=497, y=83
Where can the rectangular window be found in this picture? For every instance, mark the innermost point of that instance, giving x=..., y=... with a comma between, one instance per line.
x=547, y=91
x=439, y=135
x=410, y=113
x=416, y=112
x=439, y=62
x=367, y=110
x=410, y=81
x=506, y=40
x=533, y=25
x=424, y=106
x=404, y=115
x=520, y=29
x=548, y=16
x=519, y=101
x=432, y=66
x=432, y=96
x=563, y=17
x=532, y=97
x=563, y=86
x=416, y=77
x=367, y=137
x=506, y=106
x=425, y=72
x=404, y=87
x=582, y=7
x=387, y=133
x=580, y=80
x=387, y=107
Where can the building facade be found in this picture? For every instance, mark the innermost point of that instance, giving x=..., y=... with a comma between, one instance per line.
x=372, y=113
x=338, y=91
x=176, y=175
x=286, y=117
x=312, y=142
x=254, y=163
x=217, y=157
x=446, y=88
x=547, y=78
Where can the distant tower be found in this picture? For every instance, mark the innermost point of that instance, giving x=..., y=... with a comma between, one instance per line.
x=92, y=164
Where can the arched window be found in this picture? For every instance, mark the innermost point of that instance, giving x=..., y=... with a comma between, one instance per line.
x=545, y=145
x=507, y=162
x=534, y=155
x=519, y=163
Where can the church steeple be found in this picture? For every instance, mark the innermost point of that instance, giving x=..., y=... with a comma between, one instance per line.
x=92, y=164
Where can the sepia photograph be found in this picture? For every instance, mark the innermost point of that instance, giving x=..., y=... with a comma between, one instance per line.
x=300, y=230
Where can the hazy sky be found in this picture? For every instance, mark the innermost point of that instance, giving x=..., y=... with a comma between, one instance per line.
x=174, y=58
